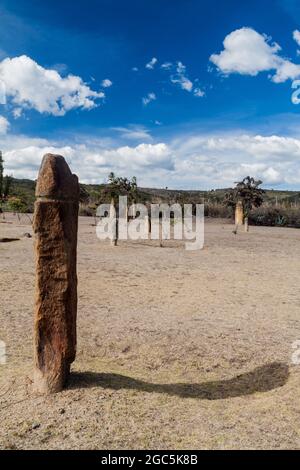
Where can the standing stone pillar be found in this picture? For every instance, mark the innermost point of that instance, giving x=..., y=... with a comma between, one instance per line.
x=239, y=213
x=113, y=214
x=55, y=227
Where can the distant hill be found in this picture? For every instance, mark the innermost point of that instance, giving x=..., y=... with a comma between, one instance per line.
x=25, y=188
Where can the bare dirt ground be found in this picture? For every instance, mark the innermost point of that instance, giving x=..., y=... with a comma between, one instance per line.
x=176, y=349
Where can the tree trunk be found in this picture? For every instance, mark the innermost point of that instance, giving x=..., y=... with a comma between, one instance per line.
x=246, y=224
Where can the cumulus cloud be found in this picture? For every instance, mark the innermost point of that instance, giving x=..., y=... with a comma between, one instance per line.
x=248, y=53
x=92, y=163
x=106, y=83
x=150, y=65
x=143, y=155
x=2, y=93
x=4, y=125
x=221, y=160
x=147, y=99
x=31, y=86
x=188, y=161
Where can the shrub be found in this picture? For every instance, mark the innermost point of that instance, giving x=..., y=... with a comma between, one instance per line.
x=218, y=210
x=275, y=217
x=86, y=211
x=17, y=205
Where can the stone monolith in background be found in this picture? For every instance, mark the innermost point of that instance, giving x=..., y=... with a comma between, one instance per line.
x=55, y=227
x=239, y=213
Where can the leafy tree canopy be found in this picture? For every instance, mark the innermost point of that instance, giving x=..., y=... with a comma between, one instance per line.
x=248, y=192
x=120, y=186
x=5, y=182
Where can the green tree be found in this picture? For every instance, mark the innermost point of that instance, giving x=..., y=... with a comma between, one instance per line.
x=17, y=205
x=119, y=186
x=248, y=193
x=5, y=184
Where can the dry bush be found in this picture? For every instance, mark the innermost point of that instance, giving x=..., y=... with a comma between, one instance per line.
x=218, y=210
x=275, y=216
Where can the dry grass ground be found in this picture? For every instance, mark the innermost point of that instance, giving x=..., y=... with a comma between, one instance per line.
x=176, y=349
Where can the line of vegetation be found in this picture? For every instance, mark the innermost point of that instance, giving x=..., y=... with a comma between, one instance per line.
x=278, y=208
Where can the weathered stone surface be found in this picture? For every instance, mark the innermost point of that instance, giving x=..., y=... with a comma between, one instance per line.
x=56, y=180
x=55, y=227
x=239, y=213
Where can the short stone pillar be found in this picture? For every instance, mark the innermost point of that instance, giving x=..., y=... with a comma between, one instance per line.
x=55, y=227
x=239, y=213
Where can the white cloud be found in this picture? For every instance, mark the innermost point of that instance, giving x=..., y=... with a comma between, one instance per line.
x=188, y=161
x=147, y=99
x=134, y=69
x=4, y=125
x=143, y=155
x=248, y=53
x=221, y=160
x=151, y=64
x=296, y=36
x=17, y=113
x=106, y=83
x=30, y=85
x=181, y=79
x=166, y=65
x=286, y=70
x=91, y=163
x=133, y=132
x=2, y=93
x=198, y=92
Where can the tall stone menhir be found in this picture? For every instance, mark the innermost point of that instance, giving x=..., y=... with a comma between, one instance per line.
x=55, y=227
x=239, y=213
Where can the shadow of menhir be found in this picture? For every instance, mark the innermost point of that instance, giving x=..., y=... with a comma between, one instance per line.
x=261, y=379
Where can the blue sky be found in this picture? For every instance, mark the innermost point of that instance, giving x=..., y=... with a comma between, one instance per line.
x=150, y=88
